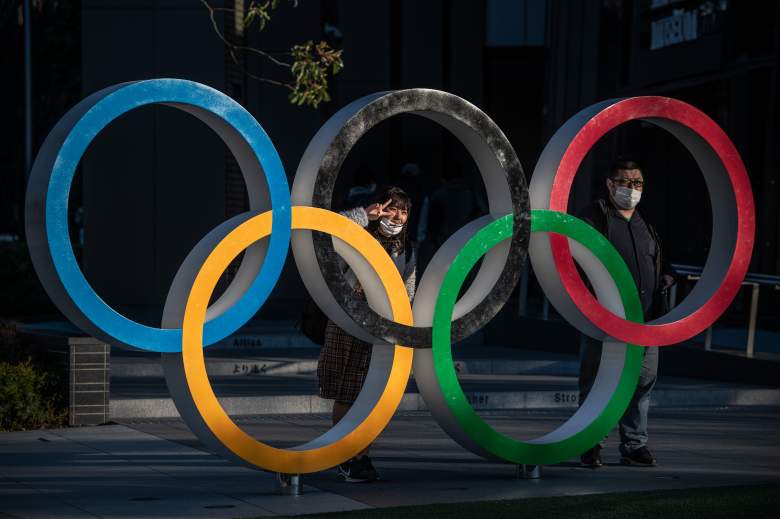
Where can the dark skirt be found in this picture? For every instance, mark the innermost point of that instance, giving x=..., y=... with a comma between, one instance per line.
x=343, y=365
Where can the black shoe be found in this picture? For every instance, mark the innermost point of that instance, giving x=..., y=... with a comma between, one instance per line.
x=367, y=469
x=642, y=457
x=358, y=470
x=347, y=471
x=592, y=458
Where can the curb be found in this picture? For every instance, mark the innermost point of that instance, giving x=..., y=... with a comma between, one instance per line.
x=280, y=339
x=221, y=367
x=132, y=408
x=121, y=367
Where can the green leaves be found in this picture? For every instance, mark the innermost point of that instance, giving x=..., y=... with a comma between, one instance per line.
x=312, y=64
x=259, y=12
x=25, y=399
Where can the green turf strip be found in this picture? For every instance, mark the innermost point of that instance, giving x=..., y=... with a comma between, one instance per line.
x=761, y=501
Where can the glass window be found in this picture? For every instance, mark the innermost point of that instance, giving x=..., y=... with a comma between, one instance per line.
x=515, y=23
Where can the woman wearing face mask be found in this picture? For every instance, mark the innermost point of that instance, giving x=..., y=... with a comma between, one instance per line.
x=344, y=359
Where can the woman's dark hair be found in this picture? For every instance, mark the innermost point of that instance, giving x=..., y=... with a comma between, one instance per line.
x=401, y=200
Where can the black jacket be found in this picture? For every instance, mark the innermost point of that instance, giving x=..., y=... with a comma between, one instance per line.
x=597, y=216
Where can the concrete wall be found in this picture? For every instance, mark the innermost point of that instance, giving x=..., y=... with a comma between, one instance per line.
x=153, y=180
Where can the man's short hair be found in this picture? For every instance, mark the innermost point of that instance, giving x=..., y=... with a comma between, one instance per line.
x=622, y=163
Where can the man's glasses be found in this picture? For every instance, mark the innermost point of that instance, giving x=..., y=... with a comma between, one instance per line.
x=627, y=182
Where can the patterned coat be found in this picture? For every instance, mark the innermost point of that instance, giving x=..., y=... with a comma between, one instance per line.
x=344, y=359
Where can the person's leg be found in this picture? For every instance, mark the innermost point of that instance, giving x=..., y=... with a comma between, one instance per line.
x=633, y=424
x=590, y=358
x=339, y=410
x=342, y=368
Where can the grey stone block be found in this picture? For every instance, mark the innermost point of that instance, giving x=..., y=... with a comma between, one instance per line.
x=93, y=398
x=89, y=418
x=88, y=375
x=88, y=359
x=90, y=386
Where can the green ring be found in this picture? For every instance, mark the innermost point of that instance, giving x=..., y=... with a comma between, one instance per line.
x=478, y=430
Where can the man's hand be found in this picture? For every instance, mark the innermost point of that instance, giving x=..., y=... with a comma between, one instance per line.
x=666, y=282
x=377, y=211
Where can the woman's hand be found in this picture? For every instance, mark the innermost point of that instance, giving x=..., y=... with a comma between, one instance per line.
x=377, y=210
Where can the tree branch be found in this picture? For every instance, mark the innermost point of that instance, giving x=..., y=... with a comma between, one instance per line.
x=310, y=64
x=232, y=48
x=264, y=54
x=267, y=80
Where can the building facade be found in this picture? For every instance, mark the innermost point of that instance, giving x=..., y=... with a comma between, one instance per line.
x=156, y=181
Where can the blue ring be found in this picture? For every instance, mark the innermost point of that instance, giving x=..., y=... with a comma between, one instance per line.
x=114, y=104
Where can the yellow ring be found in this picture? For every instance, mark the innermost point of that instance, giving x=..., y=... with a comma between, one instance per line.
x=215, y=417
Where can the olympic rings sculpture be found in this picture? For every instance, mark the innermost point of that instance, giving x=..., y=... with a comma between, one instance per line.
x=522, y=221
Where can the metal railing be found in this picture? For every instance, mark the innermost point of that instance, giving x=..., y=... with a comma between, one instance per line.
x=753, y=280
x=686, y=272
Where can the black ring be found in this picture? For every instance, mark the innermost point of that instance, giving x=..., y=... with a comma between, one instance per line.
x=454, y=109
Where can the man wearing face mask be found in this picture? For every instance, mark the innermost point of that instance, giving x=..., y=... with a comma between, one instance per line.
x=618, y=219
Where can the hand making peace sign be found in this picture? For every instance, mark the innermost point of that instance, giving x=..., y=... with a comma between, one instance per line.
x=377, y=210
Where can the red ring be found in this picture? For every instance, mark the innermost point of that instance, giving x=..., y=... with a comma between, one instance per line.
x=583, y=141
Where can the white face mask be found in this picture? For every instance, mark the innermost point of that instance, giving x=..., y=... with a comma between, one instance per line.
x=388, y=228
x=626, y=198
